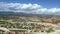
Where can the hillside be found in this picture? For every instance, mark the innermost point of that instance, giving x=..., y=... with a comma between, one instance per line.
x=31, y=18
x=31, y=22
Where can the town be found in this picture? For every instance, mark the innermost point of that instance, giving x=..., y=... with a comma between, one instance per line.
x=19, y=24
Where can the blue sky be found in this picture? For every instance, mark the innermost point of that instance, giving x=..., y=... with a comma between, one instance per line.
x=44, y=3
x=31, y=6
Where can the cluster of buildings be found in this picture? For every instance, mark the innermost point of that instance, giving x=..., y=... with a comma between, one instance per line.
x=7, y=31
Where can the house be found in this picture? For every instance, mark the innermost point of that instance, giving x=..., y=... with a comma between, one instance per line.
x=3, y=30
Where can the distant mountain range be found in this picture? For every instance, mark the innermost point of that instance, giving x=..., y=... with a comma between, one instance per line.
x=22, y=13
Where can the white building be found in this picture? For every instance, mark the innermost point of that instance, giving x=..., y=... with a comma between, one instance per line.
x=2, y=30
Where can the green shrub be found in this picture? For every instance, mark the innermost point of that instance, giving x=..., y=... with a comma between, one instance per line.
x=19, y=30
x=50, y=30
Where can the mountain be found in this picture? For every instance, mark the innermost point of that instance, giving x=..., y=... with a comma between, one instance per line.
x=22, y=13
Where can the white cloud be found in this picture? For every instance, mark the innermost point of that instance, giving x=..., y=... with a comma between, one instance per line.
x=27, y=8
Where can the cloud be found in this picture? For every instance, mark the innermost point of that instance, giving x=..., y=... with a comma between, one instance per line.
x=27, y=8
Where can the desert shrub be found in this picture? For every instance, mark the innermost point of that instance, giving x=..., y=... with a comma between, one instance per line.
x=50, y=30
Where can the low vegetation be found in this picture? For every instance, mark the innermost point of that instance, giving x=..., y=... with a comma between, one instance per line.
x=28, y=22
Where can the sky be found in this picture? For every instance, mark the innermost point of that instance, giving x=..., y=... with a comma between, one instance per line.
x=31, y=6
x=45, y=3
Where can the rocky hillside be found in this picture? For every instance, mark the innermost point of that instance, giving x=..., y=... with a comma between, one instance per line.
x=29, y=18
x=33, y=23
